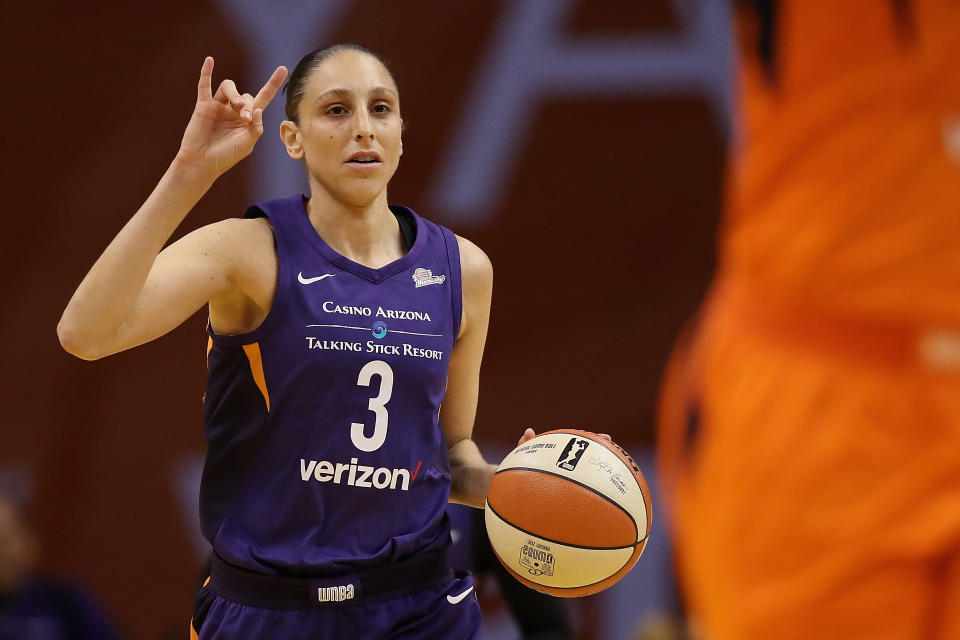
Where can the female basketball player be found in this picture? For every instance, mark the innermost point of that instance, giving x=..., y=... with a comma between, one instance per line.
x=338, y=325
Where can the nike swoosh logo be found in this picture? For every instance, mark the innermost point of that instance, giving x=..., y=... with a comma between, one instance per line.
x=456, y=599
x=310, y=280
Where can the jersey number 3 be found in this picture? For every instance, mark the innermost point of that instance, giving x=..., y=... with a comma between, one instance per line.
x=378, y=405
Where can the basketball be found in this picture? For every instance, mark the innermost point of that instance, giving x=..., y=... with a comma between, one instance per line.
x=568, y=513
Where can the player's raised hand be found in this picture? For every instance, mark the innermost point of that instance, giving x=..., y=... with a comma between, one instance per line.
x=225, y=125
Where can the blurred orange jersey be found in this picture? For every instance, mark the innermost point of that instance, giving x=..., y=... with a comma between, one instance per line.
x=847, y=194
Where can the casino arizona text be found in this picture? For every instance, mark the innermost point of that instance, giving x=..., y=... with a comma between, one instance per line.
x=391, y=314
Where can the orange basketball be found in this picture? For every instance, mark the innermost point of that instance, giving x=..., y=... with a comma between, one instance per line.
x=568, y=513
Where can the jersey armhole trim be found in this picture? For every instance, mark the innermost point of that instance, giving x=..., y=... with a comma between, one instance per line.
x=456, y=284
x=256, y=370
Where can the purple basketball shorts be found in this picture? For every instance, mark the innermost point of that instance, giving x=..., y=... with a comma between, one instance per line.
x=444, y=612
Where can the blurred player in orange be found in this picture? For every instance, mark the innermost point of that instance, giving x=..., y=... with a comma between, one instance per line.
x=810, y=418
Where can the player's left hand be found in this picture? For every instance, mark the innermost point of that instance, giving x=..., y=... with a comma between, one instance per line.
x=529, y=434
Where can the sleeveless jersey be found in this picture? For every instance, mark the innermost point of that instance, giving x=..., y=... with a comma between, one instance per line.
x=325, y=451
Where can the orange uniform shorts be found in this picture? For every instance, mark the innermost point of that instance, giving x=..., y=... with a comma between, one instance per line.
x=812, y=468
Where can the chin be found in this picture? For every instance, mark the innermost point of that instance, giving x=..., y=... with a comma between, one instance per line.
x=353, y=191
x=361, y=195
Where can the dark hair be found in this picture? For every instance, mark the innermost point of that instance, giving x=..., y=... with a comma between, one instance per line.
x=296, y=85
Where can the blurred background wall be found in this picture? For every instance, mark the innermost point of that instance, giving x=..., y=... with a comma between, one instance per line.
x=580, y=144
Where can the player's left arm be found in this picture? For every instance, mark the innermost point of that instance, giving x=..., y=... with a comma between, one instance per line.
x=470, y=474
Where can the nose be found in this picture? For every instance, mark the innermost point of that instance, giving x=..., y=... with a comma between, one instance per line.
x=364, y=128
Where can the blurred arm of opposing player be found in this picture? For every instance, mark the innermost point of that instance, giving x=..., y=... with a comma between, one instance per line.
x=470, y=474
x=135, y=293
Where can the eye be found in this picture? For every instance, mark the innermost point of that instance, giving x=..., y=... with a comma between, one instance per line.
x=336, y=110
x=381, y=108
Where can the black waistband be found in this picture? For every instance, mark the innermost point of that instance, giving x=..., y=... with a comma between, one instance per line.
x=381, y=583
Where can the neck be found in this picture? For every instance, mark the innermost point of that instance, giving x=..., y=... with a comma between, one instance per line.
x=368, y=234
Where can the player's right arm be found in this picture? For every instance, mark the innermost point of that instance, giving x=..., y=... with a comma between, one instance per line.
x=134, y=292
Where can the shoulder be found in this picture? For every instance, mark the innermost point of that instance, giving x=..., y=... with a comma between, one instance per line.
x=243, y=250
x=475, y=265
x=237, y=243
x=233, y=233
x=476, y=278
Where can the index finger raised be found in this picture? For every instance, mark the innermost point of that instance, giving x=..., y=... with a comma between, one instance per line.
x=269, y=90
x=206, y=79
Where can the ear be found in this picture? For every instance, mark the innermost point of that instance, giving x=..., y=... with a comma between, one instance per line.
x=290, y=135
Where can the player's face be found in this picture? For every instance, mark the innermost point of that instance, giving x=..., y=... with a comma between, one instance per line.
x=350, y=125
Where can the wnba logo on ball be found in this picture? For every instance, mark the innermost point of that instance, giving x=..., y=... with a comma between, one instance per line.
x=572, y=453
x=537, y=559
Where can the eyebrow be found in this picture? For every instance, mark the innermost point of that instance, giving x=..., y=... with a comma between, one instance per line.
x=347, y=92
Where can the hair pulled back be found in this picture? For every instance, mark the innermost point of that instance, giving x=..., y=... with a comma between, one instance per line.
x=296, y=85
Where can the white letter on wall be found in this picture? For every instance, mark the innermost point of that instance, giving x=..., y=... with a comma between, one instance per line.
x=275, y=33
x=530, y=58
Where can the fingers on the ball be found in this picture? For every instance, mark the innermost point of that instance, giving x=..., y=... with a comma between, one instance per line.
x=269, y=90
x=206, y=79
x=605, y=436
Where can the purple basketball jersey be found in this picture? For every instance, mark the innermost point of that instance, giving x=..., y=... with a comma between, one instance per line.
x=324, y=446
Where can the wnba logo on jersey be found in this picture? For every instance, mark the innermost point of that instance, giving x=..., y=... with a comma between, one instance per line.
x=572, y=453
x=338, y=593
x=422, y=277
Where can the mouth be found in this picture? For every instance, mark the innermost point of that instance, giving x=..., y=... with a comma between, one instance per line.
x=364, y=158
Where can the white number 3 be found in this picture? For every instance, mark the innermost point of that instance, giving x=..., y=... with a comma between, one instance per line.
x=378, y=405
